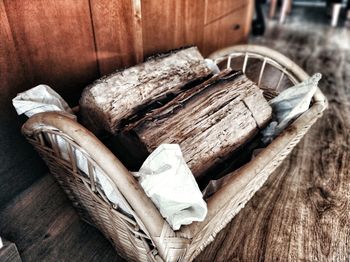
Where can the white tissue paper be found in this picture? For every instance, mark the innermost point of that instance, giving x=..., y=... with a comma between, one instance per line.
x=167, y=180
x=39, y=99
x=290, y=104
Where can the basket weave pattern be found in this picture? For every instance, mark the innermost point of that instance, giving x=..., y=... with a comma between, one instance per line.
x=92, y=205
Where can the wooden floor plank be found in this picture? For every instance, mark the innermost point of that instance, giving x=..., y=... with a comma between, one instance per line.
x=45, y=227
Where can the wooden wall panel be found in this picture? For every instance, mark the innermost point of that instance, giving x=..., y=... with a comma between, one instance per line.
x=41, y=41
x=229, y=30
x=216, y=9
x=11, y=69
x=118, y=33
x=171, y=24
x=55, y=42
x=20, y=167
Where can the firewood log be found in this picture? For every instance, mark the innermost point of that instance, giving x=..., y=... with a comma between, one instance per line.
x=208, y=121
x=109, y=100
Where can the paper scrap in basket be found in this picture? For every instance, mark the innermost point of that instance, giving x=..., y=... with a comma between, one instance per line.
x=290, y=104
x=168, y=181
x=39, y=99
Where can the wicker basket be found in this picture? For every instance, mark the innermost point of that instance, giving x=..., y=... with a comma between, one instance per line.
x=146, y=236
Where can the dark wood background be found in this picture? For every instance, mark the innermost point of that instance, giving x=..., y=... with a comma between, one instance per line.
x=67, y=44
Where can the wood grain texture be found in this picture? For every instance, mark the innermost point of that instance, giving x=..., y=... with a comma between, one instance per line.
x=302, y=211
x=45, y=227
x=55, y=43
x=171, y=24
x=54, y=40
x=215, y=10
x=47, y=42
x=227, y=105
x=117, y=28
x=228, y=30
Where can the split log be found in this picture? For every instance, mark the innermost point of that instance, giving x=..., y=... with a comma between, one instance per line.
x=109, y=100
x=208, y=121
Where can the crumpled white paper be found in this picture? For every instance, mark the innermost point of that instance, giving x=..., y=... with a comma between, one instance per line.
x=290, y=104
x=167, y=180
x=39, y=99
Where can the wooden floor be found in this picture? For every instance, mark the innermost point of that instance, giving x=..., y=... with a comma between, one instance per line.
x=45, y=227
x=301, y=213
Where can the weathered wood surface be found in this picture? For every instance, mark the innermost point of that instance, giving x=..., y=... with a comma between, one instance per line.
x=302, y=211
x=9, y=252
x=208, y=121
x=113, y=98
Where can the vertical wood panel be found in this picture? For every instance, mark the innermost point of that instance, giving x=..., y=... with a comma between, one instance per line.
x=55, y=42
x=41, y=41
x=226, y=31
x=216, y=9
x=11, y=70
x=19, y=166
x=171, y=24
x=118, y=35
